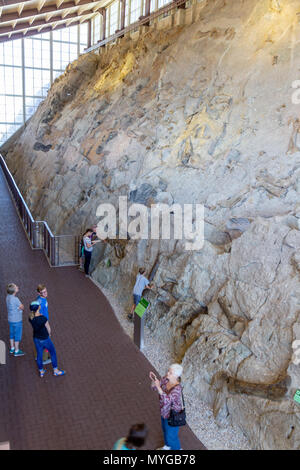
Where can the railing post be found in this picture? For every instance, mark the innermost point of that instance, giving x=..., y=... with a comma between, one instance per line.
x=56, y=251
x=36, y=235
x=139, y=322
x=52, y=250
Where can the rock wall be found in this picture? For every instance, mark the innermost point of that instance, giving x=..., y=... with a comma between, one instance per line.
x=196, y=114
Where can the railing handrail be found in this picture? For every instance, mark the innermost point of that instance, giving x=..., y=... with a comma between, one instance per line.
x=3, y=163
x=31, y=225
x=143, y=19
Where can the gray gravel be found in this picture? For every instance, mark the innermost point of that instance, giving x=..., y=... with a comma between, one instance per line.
x=200, y=416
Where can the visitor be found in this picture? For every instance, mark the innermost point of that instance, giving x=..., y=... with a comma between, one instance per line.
x=41, y=338
x=92, y=237
x=141, y=283
x=42, y=300
x=88, y=248
x=136, y=438
x=15, y=311
x=170, y=397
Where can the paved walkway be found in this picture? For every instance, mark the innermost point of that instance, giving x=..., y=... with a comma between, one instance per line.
x=106, y=388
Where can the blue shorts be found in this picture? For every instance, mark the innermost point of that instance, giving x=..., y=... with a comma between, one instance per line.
x=15, y=330
x=136, y=298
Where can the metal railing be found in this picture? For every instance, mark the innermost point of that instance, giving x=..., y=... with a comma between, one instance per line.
x=143, y=20
x=60, y=250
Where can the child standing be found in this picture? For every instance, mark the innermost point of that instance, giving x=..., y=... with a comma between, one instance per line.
x=140, y=285
x=15, y=310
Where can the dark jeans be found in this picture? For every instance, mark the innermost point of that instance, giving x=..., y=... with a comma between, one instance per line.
x=42, y=344
x=170, y=434
x=87, y=255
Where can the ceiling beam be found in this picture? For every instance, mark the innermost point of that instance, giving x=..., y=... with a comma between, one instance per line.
x=32, y=32
x=41, y=22
x=45, y=9
x=8, y=3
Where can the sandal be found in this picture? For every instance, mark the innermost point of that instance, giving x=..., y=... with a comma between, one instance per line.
x=58, y=373
x=42, y=372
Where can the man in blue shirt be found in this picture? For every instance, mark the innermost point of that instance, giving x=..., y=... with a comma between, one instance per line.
x=42, y=300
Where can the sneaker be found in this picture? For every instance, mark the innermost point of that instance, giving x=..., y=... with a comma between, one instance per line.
x=12, y=350
x=130, y=316
x=19, y=353
x=164, y=448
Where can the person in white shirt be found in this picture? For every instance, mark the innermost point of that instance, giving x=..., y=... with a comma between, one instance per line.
x=140, y=285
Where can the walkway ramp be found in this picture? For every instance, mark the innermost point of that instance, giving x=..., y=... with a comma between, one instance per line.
x=106, y=388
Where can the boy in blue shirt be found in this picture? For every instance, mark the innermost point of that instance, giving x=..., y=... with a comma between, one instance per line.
x=140, y=285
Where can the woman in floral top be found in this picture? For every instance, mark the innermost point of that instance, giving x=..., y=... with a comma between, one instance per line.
x=170, y=396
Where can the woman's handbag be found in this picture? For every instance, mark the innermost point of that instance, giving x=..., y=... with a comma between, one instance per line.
x=178, y=418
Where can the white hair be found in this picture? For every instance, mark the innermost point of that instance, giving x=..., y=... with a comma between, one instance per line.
x=177, y=369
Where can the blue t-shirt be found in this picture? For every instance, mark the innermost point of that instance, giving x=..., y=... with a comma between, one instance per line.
x=44, y=306
x=13, y=310
x=140, y=284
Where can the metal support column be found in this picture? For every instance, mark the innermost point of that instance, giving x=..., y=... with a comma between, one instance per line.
x=147, y=10
x=23, y=81
x=102, y=12
x=89, y=34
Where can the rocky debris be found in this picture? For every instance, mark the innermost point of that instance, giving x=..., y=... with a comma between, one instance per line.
x=143, y=194
x=39, y=146
x=193, y=115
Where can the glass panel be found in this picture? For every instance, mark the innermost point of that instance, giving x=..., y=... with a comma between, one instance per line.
x=29, y=82
x=83, y=34
x=18, y=81
x=74, y=33
x=17, y=52
x=37, y=65
x=28, y=52
x=127, y=13
x=161, y=3
x=97, y=25
x=135, y=10
x=152, y=5
x=57, y=35
x=114, y=12
x=2, y=53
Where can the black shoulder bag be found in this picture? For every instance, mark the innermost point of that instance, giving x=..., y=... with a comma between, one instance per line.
x=178, y=418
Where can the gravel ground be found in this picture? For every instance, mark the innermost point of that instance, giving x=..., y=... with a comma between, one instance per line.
x=200, y=416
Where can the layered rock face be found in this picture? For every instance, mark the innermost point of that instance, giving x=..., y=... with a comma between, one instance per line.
x=195, y=114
